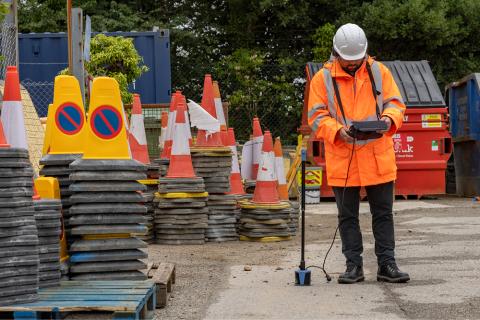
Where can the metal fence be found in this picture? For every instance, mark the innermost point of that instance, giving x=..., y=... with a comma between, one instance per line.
x=41, y=94
x=8, y=47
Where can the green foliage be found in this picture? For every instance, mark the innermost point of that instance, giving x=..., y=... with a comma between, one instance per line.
x=115, y=57
x=271, y=40
x=258, y=89
x=322, y=39
x=440, y=31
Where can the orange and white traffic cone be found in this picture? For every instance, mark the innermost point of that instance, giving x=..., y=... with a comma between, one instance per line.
x=236, y=186
x=266, y=186
x=280, y=170
x=12, y=111
x=208, y=103
x=257, y=146
x=224, y=136
x=163, y=132
x=171, y=123
x=136, y=134
x=3, y=140
x=187, y=118
x=219, y=105
x=180, y=158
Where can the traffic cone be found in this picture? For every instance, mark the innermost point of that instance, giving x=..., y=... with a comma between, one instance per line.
x=171, y=122
x=136, y=136
x=257, y=146
x=208, y=103
x=187, y=118
x=163, y=132
x=3, y=140
x=236, y=186
x=219, y=105
x=180, y=158
x=280, y=170
x=266, y=186
x=224, y=136
x=12, y=113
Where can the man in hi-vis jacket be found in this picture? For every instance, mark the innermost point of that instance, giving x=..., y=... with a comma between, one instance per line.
x=352, y=86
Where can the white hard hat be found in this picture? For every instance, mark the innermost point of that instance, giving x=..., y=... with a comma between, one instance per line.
x=350, y=42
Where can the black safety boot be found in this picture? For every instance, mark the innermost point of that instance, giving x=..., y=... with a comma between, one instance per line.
x=389, y=272
x=352, y=274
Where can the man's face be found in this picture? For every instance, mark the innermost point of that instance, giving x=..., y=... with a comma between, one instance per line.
x=350, y=66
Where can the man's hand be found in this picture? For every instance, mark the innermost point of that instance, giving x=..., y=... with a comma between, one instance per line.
x=345, y=136
x=388, y=121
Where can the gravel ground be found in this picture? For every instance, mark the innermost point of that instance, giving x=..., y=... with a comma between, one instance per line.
x=209, y=276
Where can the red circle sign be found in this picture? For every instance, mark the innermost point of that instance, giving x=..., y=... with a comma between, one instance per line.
x=106, y=122
x=69, y=118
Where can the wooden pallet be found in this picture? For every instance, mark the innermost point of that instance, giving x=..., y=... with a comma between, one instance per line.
x=163, y=274
x=126, y=299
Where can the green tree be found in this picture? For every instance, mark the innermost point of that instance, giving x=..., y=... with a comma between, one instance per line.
x=441, y=31
x=115, y=57
x=258, y=89
x=322, y=39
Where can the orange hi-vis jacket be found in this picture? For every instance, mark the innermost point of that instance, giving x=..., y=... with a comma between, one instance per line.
x=373, y=161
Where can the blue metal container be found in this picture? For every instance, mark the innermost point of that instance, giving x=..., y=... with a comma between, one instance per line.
x=464, y=103
x=467, y=167
x=43, y=55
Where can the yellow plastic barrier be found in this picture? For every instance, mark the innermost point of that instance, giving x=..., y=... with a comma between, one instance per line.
x=65, y=132
x=106, y=136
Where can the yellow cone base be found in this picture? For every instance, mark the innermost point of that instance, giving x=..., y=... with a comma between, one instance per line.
x=248, y=204
x=174, y=195
x=265, y=239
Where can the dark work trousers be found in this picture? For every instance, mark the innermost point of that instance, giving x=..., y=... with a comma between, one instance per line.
x=380, y=199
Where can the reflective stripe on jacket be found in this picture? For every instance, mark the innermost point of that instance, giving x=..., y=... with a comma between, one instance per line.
x=373, y=160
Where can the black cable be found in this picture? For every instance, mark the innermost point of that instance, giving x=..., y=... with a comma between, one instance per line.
x=327, y=276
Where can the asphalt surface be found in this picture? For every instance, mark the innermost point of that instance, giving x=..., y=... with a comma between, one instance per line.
x=438, y=243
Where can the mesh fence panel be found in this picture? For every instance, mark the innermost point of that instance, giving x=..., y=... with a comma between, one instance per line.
x=41, y=94
x=8, y=46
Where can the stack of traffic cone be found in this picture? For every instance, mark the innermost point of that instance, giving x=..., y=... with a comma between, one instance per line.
x=211, y=158
x=136, y=136
x=208, y=103
x=19, y=249
x=181, y=217
x=265, y=217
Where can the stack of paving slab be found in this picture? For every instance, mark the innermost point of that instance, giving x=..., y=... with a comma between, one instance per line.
x=214, y=165
x=294, y=217
x=162, y=166
x=259, y=221
x=58, y=166
x=182, y=213
x=222, y=218
x=106, y=209
x=18, y=232
x=148, y=197
x=48, y=214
